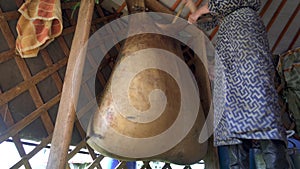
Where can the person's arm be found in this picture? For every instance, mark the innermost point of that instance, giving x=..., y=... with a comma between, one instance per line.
x=204, y=23
x=199, y=12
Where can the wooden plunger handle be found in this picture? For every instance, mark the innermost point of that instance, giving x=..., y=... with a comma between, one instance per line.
x=179, y=12
x=191, y=6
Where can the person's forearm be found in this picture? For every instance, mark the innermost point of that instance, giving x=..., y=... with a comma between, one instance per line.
x=203, y=10
x=196, y=13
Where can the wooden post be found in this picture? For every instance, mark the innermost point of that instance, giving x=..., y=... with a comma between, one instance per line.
x=66, y=113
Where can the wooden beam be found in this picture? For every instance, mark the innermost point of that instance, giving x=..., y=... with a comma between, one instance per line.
x=38, y=148
x=25, y=85
x=95, y=66
x=107, y=59
x=9, y=121
x=66, y=113
x=120, y=9
x=108, y=28
x=96, y=162
x=11, y=15
x=63, y=45
x=71, y=29
x=157, y=7
x=265, y=8
x=122, y=164
x=213, y=33
x=286, y=27
x=14, y=129
x=34, y=93
x=7, y=33
x=21, y=150
x=175, y=5
x=99, y=75
x=166, y=166
x=27, y=76
x=7, y=55
x=146, y=165
x=76, y=149
x=283, y=2
x=19, y=3
x=294, y=40
x=55, y=76
x=83, y=135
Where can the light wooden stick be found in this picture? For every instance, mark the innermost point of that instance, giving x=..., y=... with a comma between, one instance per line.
x=179, y=12
x=66, y=112
x=191, y=6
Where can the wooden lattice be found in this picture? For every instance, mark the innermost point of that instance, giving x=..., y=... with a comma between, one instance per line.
x=31, y=81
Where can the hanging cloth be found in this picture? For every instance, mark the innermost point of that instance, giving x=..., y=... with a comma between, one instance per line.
x=40, y=22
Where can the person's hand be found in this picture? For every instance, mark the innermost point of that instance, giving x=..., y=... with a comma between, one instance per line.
x=196, y=14
x=193, y=17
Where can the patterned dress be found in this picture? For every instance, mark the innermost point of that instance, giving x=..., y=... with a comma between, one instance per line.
x=245, y=99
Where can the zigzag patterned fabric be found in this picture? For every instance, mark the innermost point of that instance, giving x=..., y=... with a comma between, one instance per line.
x=245, y=99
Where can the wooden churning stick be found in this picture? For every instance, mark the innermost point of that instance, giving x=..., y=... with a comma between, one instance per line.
x=191, y=6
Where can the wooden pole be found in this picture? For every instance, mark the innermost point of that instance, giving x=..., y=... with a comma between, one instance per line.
x=66, y=113
x=156, y=6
